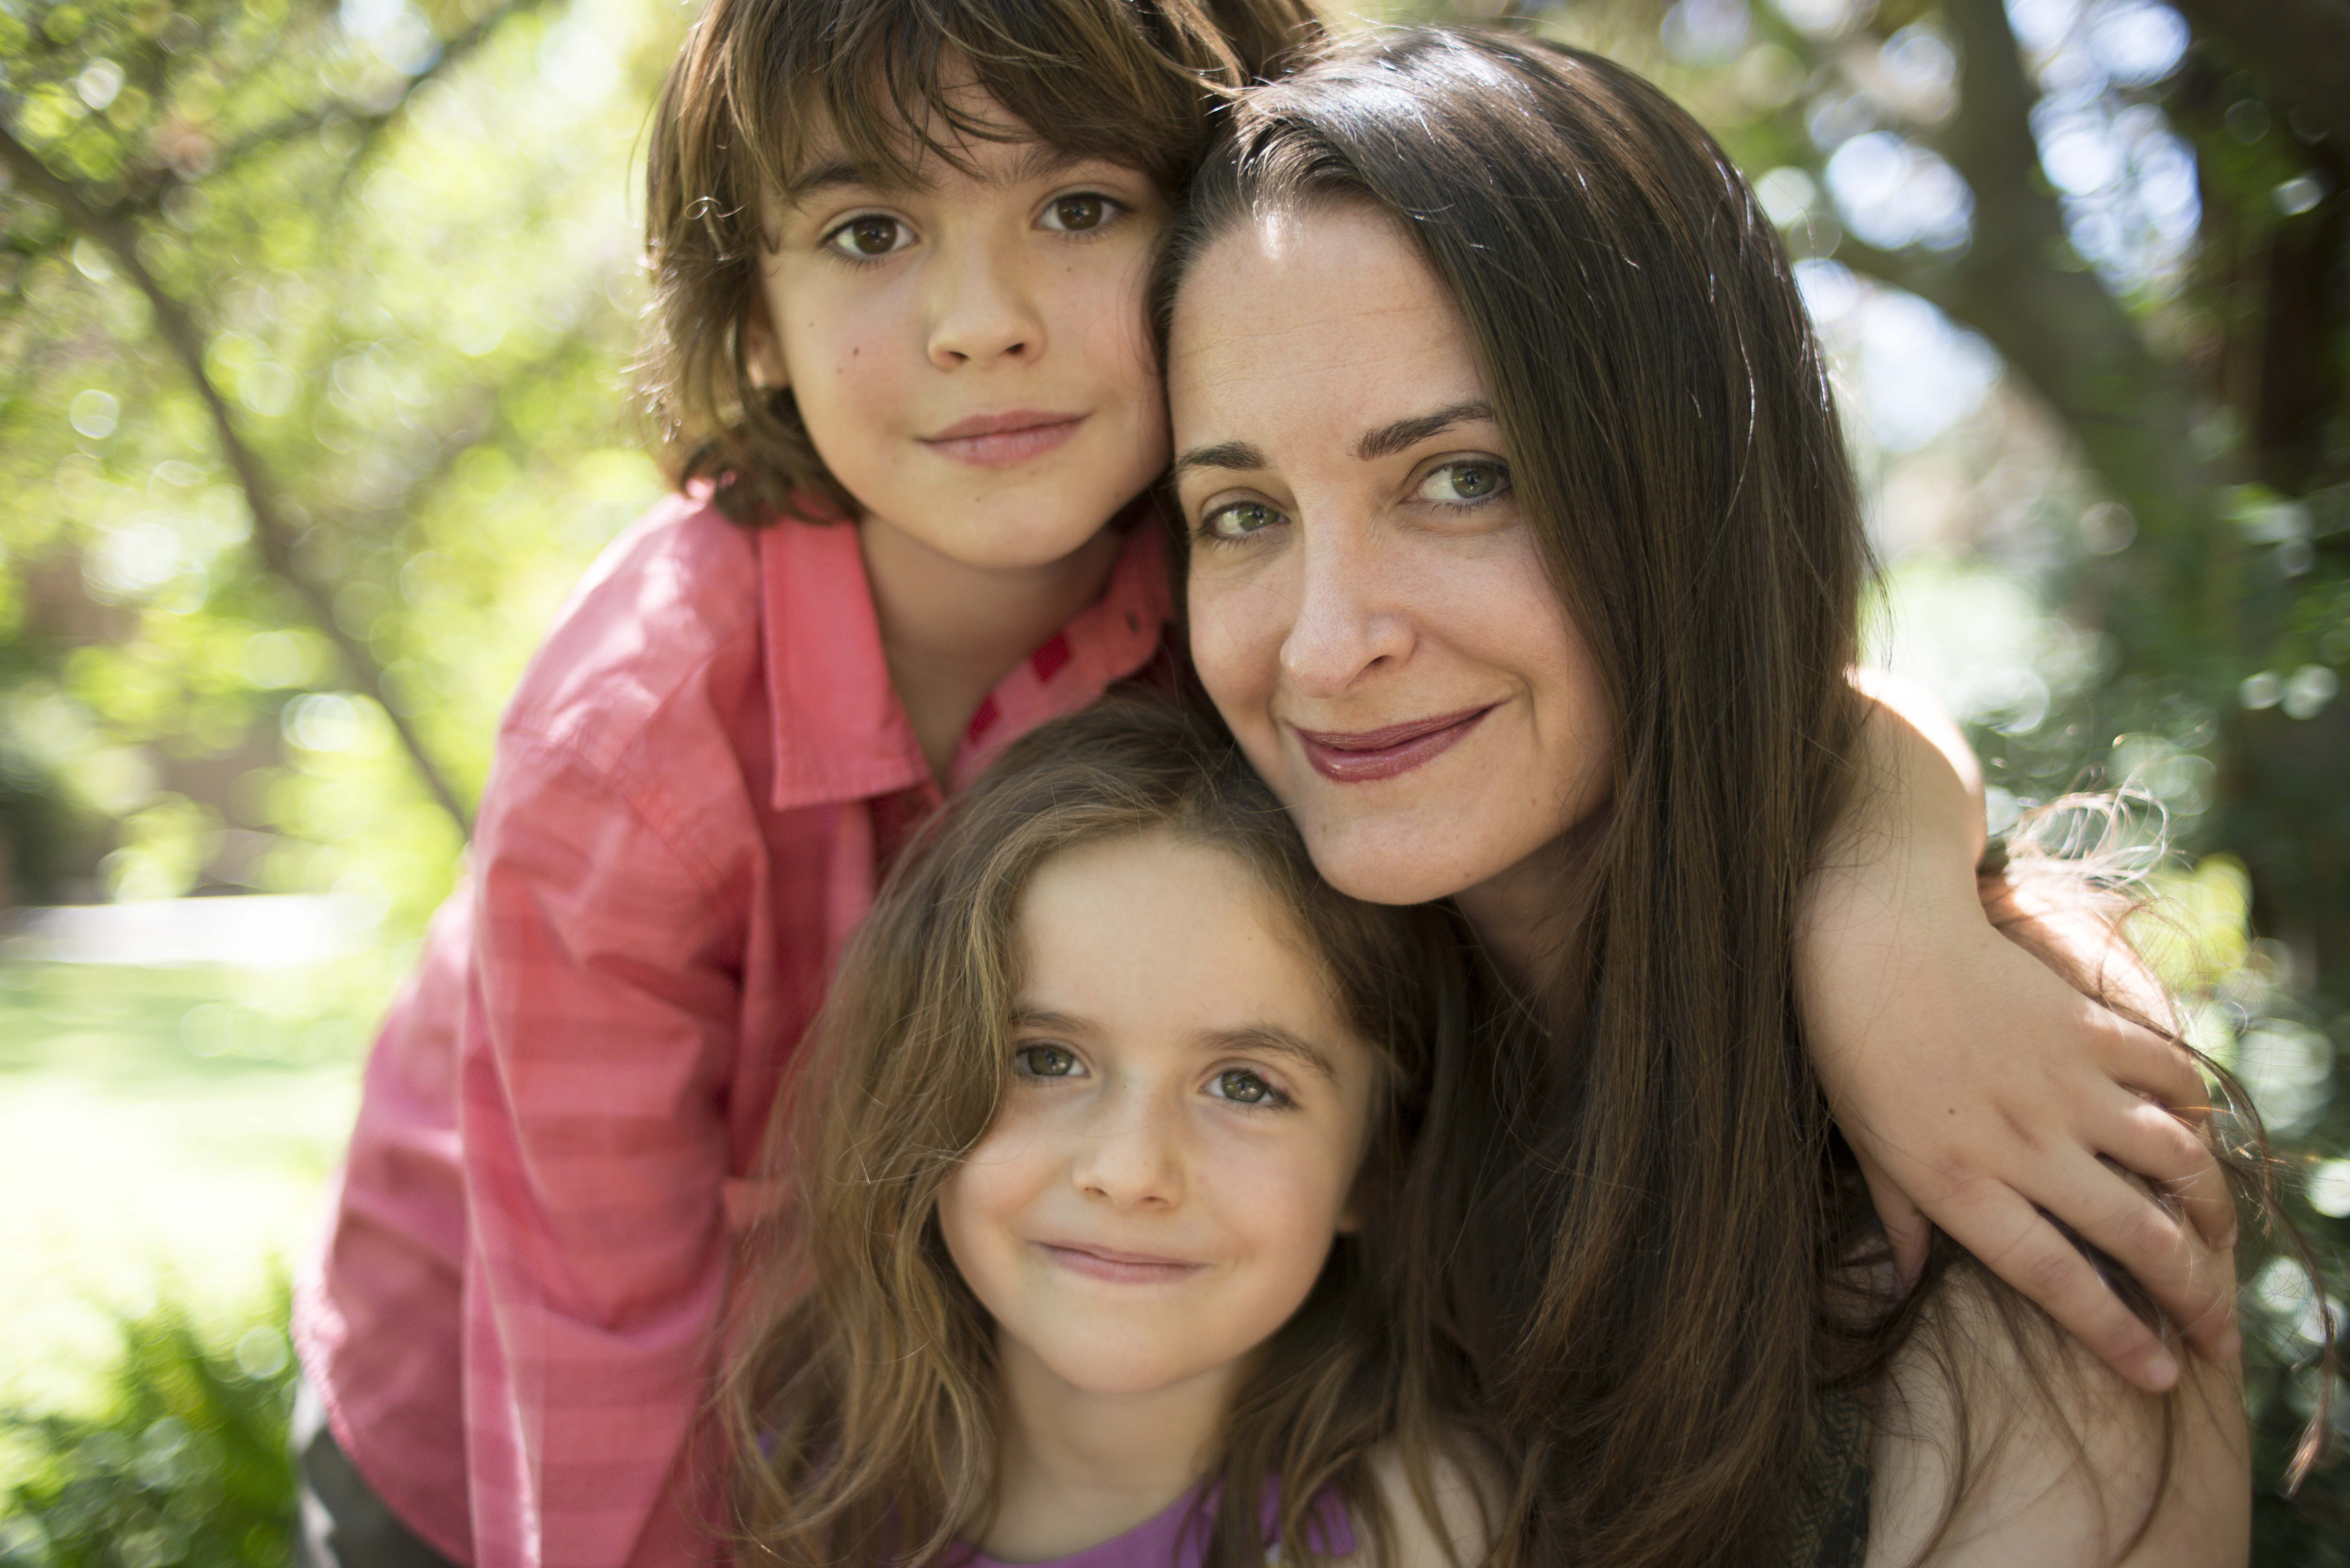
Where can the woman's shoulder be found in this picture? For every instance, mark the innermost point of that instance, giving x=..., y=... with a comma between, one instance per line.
x=1998, y=1439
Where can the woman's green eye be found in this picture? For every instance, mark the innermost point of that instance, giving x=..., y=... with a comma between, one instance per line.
x=1239, y=520
x=1464, y=483
x=1076, y=214
x=1045, y=1061
x=873, y=236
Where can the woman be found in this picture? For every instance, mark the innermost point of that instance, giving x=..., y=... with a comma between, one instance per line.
x=1523, y=562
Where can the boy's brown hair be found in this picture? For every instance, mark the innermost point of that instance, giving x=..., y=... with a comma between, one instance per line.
x=1132, y=81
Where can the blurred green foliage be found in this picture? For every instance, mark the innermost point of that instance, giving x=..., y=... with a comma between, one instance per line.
x=315, y=325
x=184, y=1462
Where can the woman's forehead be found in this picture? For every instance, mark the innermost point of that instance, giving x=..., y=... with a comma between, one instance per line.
x=1330, y=313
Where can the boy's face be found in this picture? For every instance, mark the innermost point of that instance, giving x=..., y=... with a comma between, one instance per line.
x=970, y=354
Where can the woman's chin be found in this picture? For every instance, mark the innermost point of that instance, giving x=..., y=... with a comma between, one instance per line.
x=1393, y=863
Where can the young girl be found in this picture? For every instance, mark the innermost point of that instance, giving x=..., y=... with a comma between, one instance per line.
x=899, y=250
x=1106, y=1168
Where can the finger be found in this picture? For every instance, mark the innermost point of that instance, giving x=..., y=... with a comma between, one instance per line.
x=1908, y=1232
x=2147, y=1138
x=2018, y=1243
x=2194, y=1286
x=2141, y=1059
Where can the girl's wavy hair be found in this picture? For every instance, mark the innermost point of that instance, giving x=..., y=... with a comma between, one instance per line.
x=1658, y=1294
x=859, y=1401
x=759, y=82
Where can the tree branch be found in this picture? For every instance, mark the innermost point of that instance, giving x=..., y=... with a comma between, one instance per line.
x=272, y=538
x=2133, y=412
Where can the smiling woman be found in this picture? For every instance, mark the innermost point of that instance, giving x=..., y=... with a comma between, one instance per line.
x=1525, y=564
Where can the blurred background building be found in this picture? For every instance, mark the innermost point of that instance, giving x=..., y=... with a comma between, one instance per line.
x=315, y=332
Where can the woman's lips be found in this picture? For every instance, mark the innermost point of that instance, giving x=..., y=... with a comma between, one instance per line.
x=1118, y=1268
x=1364, y=755
x=995, y=441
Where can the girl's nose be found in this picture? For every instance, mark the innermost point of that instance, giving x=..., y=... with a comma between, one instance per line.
x=1349, y=621
x=1132, y=1158
x=981, y=311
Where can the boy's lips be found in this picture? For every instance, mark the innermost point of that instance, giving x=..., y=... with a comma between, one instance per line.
x=1363, y=756
x=1118, y=1268
x=993, y=440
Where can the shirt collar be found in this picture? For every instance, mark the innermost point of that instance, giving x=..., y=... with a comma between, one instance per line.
x=841, y=733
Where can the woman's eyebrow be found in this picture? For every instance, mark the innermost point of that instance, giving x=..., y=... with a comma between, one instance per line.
x=1236, y=455
x=1272, y=1040
x=1404, y=434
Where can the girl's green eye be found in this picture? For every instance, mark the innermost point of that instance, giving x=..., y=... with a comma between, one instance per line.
x=1240, y=1084
x=1239, y=520
x=1045, y=1061
x=1464, y=483
x=872, y=236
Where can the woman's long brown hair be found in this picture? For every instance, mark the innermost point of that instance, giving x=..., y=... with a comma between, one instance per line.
x=1649, y=1296
x=860, y=1403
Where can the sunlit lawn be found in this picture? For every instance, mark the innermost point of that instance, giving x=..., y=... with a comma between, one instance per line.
x=160, y=1130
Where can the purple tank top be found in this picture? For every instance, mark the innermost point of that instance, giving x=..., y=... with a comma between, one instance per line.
x=1177, y=1537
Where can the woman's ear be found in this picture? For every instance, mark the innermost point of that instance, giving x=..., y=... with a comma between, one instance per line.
x=762, y=355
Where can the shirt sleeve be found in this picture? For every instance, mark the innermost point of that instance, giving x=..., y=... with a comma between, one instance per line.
x=603, y=1003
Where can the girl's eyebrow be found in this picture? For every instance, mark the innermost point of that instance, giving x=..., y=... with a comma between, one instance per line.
x=1272, y=1040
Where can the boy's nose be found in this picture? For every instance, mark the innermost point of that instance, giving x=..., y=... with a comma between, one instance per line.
x=981, y=313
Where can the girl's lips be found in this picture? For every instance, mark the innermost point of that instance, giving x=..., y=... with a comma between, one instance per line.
x=1118, y=1268
x=1369, y=754
x=996, y=440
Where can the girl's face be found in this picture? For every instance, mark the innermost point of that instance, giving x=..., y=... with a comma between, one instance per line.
x=969, y=353
x=1368, y=607
x=1187, y=1117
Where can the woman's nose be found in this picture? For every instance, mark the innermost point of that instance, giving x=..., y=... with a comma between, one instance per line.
x=983, y=310
x=1132, y=1156
x=1349, y=618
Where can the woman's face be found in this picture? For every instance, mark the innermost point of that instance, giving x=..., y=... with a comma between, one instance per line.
x=1368, y=607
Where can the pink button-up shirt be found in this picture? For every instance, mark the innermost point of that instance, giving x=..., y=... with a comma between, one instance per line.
x=510, y=1317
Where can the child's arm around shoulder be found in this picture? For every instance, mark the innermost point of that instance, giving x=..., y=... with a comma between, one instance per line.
x=1977, y=1088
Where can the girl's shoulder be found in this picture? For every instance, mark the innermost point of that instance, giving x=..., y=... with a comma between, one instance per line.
x=1445, y=1516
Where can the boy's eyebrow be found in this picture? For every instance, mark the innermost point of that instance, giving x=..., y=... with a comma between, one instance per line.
x=1041, y=161
x=1272, y=1040
x=1389, y=440
x=1236, y=455
x=831, y=174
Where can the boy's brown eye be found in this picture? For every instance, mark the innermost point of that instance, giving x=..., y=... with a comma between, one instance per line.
x=1077, y=214
x=873, y=236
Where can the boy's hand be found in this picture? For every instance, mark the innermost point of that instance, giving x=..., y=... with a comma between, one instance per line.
x=1983, y=1094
